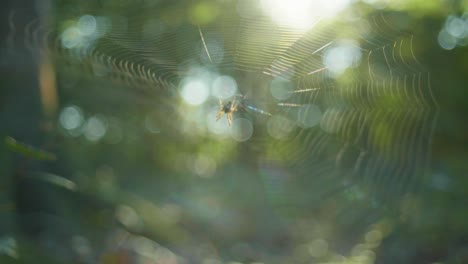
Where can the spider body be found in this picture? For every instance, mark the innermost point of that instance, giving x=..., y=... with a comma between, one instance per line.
x=228, y=108
x=232, y=106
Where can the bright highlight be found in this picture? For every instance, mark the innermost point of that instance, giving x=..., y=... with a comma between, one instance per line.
x=302, y=14
x=195, y=92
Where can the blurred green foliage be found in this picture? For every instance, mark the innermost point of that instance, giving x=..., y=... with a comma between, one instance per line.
x=128, y=171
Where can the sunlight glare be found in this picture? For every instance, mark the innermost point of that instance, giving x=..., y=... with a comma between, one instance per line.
x=302, y=14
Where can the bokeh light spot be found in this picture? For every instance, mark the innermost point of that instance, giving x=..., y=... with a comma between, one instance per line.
x=128, y=217
x=204, y=166
x=279, y=127
x=309, y=115
x=87, y=25
x=195, y=92
x=455, y=26
x=224, y=87
x=219, y=127
x=95, y=128
x=203, y=13
x=342, y=56
x=71, y=117
x=71, y=37
x=446, y=40
x=281, y=89
x=242, y=129
x=440, y=181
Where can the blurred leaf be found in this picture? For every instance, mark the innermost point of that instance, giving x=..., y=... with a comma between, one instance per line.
x=56, y=180
x=28, y=151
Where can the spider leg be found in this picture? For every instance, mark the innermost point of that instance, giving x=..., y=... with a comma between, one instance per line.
x=221, y=112
x=219, y=115
x=229, y=118
x=234, y=105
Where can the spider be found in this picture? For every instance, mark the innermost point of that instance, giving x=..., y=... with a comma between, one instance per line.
x=228, y=108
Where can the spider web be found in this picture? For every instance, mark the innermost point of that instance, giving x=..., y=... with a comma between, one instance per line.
x=369, y=142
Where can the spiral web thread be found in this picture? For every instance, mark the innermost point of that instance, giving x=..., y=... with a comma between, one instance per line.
x=376, y=126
